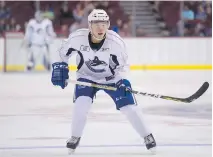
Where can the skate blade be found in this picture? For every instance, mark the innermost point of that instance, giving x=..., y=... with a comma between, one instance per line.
x=153, y=150
x=71, y=151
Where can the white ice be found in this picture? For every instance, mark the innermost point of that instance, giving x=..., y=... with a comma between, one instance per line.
x=35, y=118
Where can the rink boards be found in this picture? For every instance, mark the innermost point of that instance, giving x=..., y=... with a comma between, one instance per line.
x=144, y=53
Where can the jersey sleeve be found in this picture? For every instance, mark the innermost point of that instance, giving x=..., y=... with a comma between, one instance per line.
x=66, y=50
x=28, y=32
x=119, y=61
x=50, y=30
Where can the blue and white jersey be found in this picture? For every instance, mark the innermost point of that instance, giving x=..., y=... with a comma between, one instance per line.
x=106, y=65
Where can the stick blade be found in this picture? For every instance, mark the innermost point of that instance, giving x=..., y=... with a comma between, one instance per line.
x=200, y=92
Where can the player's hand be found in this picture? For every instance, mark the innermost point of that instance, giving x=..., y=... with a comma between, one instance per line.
x=123, y=86
x=60, y=74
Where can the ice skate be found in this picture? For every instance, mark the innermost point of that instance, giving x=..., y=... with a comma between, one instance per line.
x=150, y=143
x=72, y=144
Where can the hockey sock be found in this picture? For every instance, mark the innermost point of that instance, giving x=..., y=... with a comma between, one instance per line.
x=80, y=110
x=134, y=116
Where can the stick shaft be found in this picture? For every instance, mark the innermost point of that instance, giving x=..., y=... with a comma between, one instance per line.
x=92, y=85
x=196, y=95
x=111, y=88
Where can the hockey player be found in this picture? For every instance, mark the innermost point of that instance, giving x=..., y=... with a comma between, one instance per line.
x=101, y=59
x=38, y=36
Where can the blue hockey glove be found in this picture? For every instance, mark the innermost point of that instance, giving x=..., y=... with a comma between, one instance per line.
x=122, y=85
x=60, y=74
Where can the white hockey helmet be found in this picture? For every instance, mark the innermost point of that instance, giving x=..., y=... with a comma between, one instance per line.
x=98, y=15
x=38, y=16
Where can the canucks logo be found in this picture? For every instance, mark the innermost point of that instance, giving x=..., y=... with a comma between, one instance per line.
x=39, y=31
x=96, y=65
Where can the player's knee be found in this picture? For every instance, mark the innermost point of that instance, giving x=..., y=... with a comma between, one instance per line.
x=83, y=100
x=82, y=105
x=128, y=108
x=84, y=90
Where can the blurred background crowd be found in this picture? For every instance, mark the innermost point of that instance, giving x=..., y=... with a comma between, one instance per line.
x=128, y=18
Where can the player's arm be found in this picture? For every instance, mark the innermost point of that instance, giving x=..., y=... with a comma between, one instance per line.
x=119, y=61
x=60, y=68
x=28, y=33
x=50, y=30
x=66, y=50
x=123, y=69
x=50, y=33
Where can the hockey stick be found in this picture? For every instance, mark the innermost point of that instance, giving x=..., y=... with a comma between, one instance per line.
x=191, y=98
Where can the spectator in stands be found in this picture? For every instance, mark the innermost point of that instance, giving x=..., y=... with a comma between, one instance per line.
x=88, y=7
x=64, y=31
x=192, y=5
x=178, y=30
x=65, y=12
x=130, y=22
x=206, y=3
x=125, y=31
x=76, y=25
x=199, y=30
x=105, y=4
x=78, y=12
x=209, y=4
x=3, y=26
x=156, y=6
x=187, y=32
x=13, y=26
x=102, y=5
x=209, y=11
x=110, y=12
x=187, y=14
x=118, y=26
x=140, y=32
x=208, y=22
x=201, y=15
x=48, y=12
x=4, y=11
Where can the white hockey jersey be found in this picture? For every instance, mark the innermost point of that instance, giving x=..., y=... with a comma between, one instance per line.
x=39, y=33
x=106, y=65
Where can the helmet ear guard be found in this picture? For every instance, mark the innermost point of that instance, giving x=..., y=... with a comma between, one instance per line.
x=108, y=24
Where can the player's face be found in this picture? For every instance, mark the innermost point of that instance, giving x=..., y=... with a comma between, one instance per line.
x=39, y=17
x=99, y=28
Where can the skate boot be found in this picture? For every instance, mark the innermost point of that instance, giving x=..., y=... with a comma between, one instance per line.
x=72, y=144
x=30, y=66
x=150, y=143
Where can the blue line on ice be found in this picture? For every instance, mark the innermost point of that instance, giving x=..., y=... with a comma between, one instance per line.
x=109, y=146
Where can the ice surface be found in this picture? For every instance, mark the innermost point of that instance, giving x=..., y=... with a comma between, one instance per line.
x=35, y=118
